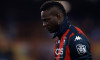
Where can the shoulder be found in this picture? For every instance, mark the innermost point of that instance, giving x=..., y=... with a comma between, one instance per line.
x=76, y=30
x=79, y=45
x=78, y=38
x=78, y=35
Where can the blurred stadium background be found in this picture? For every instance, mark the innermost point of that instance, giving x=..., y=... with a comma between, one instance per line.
x=22, y=36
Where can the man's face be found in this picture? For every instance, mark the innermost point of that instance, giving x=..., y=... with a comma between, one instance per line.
x=50, y=22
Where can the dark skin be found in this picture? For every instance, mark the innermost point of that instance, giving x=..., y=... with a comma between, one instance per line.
x=52, y=19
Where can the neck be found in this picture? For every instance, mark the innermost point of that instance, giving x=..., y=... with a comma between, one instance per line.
x=64, y=26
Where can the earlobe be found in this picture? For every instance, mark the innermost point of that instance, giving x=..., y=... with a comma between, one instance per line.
x=60, y=18
x=58, y=22
x=58, y=15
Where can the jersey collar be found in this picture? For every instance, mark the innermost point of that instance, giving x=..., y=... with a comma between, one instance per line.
x=65, y=25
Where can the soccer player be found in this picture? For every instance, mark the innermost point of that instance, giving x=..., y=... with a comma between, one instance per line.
x=72, y=43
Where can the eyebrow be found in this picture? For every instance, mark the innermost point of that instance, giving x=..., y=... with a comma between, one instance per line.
x=44, y=19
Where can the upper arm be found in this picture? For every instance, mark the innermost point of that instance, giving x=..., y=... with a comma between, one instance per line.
x=79, y=48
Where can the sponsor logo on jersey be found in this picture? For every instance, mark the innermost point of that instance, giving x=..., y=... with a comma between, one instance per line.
x=57, y=51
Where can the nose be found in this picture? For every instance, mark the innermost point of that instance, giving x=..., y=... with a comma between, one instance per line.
x=44, y=24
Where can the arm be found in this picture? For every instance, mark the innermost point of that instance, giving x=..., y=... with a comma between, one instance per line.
x=79, y=48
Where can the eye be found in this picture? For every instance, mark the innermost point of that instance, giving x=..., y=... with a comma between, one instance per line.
x=46, y=20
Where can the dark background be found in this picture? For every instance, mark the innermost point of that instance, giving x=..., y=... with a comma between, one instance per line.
x=23, y=37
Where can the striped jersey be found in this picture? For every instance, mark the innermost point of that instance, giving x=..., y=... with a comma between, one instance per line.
x=72, y=44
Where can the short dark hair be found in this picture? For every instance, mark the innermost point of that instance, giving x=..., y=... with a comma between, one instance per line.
x=49, y=4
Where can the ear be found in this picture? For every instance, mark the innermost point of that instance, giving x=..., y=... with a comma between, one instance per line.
x=58, y=16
